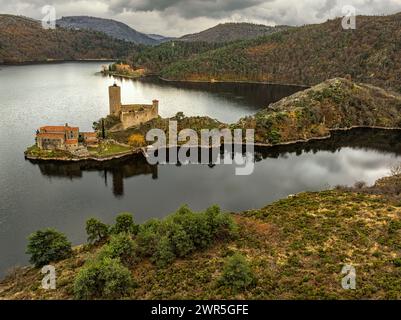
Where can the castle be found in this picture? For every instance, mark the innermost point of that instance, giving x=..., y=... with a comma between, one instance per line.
x=131, y=114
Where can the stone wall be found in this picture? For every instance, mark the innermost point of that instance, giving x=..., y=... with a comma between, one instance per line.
x=50, y=144
x=133, y=115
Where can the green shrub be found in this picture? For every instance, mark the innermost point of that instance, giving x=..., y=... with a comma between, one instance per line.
x=96, y=230
x=195, y=225
x=397, y=262
x=221, y=224
x=274, y=136
x=237, y=273
x=121, y=246
x=183, y=232
x=148, y=237
x=47, y=246
x=181, y=242
x=103, y=278
x=164, y=253
x=125, y=223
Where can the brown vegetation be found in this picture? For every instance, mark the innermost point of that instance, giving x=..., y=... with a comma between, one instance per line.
x=24, y=40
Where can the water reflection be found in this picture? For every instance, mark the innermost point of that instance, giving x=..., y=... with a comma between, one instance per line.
x=253, y=94
x=118, y=170
x=368, y=140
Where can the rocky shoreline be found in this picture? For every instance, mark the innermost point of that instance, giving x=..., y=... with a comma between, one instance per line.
x=142, y=151
x=88, y=158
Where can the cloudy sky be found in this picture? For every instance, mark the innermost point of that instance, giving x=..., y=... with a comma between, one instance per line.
x=178, y=17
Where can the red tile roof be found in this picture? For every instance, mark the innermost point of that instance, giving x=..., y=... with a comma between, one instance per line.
x=58, y=128
x=51, y=135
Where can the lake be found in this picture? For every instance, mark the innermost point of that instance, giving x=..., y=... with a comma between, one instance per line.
x=64, y=196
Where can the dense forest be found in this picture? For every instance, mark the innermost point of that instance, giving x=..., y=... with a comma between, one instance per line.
x=228, y=32
x=304, y=55
x=154, y=59
x=24, y=40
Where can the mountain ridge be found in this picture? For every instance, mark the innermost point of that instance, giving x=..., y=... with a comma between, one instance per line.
x=232, y=31
x=23, y=40
x=112, y=28
x=305, y=55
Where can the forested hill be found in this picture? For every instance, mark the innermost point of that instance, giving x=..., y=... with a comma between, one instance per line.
x=154, y=59
x=228, y=32
x=306, y=55
x=114, y=29
x=24, y=40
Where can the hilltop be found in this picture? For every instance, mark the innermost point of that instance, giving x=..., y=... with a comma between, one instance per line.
x=112, y=28
x=24, y=40
x=304, y=55
x=331, y=105
x=228, y=32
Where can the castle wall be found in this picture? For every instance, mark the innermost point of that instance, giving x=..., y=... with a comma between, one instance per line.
x=50, y=144
x=133, y=114
x=136, y=117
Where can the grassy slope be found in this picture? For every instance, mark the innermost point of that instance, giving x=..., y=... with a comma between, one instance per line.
x=103, y=150
x=306, y=55
x=24, y=40
x=296, y=247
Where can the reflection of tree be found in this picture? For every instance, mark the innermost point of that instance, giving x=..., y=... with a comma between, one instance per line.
x=252, y=94
x=388, y=141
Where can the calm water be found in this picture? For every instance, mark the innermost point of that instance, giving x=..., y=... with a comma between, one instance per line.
x=34, y=196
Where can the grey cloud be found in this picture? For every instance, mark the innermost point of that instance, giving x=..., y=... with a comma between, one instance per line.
x=185, y=8
x=177, y=17
x=327, y=6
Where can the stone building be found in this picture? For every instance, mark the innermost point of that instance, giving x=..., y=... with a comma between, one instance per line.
x=63, y=138
x=131, y=114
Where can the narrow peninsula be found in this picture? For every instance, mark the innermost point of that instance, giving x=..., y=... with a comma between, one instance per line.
x=336, y=104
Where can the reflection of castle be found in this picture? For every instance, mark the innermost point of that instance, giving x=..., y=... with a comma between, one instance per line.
x=119, y=170
x=131, y=114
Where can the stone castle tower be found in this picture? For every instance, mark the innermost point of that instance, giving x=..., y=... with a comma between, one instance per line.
x=131, y=114
x=115, y=100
